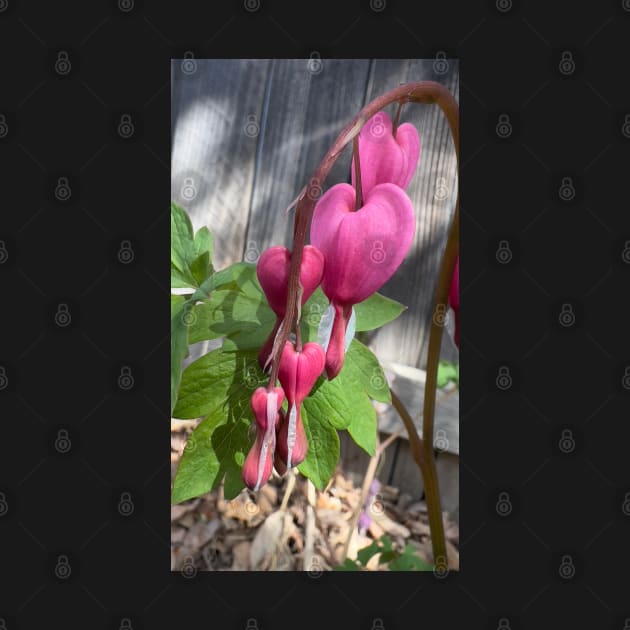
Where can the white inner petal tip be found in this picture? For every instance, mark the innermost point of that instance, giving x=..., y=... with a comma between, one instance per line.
x=351, y=329
x=325, y=327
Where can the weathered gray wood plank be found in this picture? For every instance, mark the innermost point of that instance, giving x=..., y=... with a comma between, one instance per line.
x=305, y=112
x=218, y=110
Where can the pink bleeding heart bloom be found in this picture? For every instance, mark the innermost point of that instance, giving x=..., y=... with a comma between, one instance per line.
x=362, y=249
x=385, y=157
x=259, y=461
x=453, y=299
x=298, y=372
x=273, y=274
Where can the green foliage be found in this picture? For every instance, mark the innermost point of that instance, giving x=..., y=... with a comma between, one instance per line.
x=395, y=560
x=217, y=387
x=447, y=372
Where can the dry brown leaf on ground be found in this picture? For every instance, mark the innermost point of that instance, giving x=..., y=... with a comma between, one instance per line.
x=270, y=550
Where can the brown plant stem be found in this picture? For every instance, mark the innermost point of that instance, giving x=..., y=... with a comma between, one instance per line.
x=429, y=476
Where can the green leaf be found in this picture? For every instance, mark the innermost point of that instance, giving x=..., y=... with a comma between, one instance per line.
x=210, y=381
x=361, y=362
x=180, y=280
x=179, y=342
x=219, y=385
x=373, y=312
x=198, y=470
x=376, y=311
x=447, y=372
x=409, y=561
x=182, y=243
x=203, y=242
x=347, y=565
x=364, y=555
x=245, y=319
x=323, y=449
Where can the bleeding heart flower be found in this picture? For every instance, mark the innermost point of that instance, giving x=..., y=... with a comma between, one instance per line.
x=453, y=299
x=259, y=461
x=273, y=274
x=298, y=372
x=386, y=158
x=362, y=249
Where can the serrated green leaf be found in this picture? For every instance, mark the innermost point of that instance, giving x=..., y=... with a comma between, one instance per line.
x=366, y=369
x=179, y=343
x=180, y=280
x=323, y=450
x=210, y=381
x=376, y=311
x=203, y=242
x=245, y=319
x=362, y=430
x=200, y=268
x=199, y=467
x=220, y=442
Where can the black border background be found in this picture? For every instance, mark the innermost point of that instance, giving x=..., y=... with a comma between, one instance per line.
x=567, y=504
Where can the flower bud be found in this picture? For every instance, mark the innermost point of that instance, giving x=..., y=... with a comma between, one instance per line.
x=385, y=157
x=298, y=372
x=299, y=443
x=259, y=461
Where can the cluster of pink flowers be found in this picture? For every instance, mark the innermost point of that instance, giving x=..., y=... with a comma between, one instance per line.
x=353, y=252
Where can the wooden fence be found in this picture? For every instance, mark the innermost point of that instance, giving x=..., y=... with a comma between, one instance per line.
x=247, y=136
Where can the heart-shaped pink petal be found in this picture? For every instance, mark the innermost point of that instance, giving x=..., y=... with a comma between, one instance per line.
x=273, y=274
x=386, y=158
x=298, y=371
x=363, y=249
